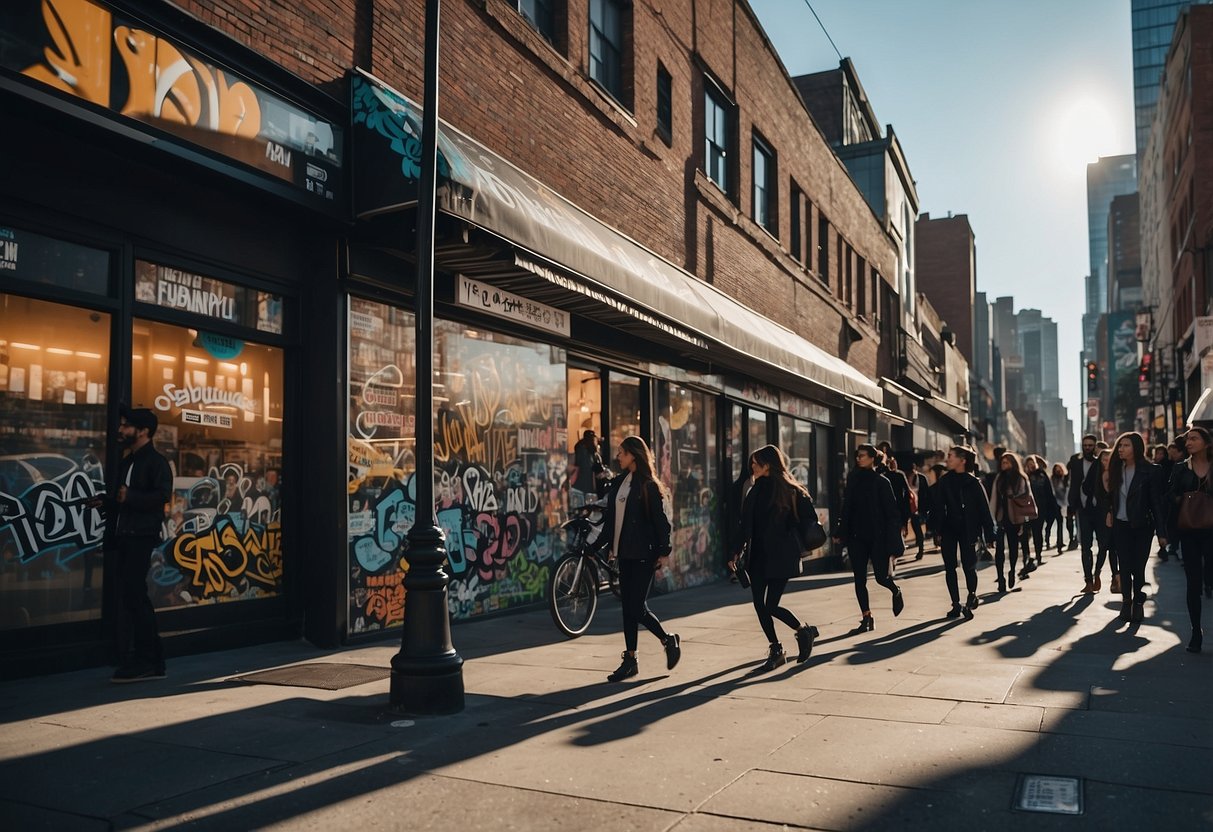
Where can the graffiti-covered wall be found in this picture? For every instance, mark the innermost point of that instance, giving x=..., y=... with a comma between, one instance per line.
x=499, y=460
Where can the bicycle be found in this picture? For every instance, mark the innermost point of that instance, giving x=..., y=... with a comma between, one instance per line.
x=581, y=573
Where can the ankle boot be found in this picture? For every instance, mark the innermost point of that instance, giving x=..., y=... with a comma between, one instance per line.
x=775, y=658
x=805, y=637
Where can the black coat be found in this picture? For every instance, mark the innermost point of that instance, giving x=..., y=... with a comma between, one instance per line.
x=1080, y=485
x=149, y=487
x=901, y=493
x=645, y=534
x=870, y=513
x=1146, y=505
x=771, y=534
x=1042, y=492
x=961, y=507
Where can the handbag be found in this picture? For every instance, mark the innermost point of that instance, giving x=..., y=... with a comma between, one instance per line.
x=741, y=569
x=809, y=532
x=1195, y=511
x=1022, y=509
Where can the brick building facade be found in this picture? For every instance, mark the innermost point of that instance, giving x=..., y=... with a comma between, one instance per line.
x=248, y=287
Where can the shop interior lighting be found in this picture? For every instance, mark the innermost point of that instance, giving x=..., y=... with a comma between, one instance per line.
x=21, y=346
x=228, y=366
x=81, y=354
x=137, y=357
x=193, y=359
x=58, y=351
x=244, y=368
x=159, y=356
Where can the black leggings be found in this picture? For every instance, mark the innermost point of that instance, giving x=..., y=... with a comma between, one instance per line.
x=863, y=552
x=1009, y=532
x=635, y=581
x=968, y=562
x=767, y=593
x=1132, y=546
x=1107, y=551
x=1197, y=549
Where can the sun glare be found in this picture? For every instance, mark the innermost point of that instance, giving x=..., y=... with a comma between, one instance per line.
x=1083, y=131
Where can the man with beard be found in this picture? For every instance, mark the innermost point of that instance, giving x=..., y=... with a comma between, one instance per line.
x=1080, y=504
x=134, y=512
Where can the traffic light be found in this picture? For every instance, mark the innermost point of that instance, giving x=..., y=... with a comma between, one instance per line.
x=1143, y=371
x=1092, y=378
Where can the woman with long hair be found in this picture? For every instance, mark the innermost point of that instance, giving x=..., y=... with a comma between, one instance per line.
x=636, y=527
x=1060, y=481
x=776, y=507
x=961, y=514
x=1009, y=484
x=1037, y=472
x=871, y=529
x=1136, y=510
x=1195, y=545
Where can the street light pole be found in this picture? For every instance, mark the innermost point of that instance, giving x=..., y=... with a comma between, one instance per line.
x=427, y=673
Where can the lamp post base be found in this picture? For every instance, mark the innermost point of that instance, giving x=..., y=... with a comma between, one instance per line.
x=433, y=687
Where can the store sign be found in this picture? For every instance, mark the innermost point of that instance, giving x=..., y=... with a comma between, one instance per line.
x=485, y=298
x=174, y=396
x=207, y=420
x=25, y=255
x=176, y=289
x=85, y=50
x=1202, y=335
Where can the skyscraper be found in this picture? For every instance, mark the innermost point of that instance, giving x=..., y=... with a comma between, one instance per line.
x=1153, y=24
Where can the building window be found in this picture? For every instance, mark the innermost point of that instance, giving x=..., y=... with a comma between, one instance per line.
x=766, y=191
x=823, y=248
x=665, y=104
x=795, y=241
x=718, y=137
x=606, y=45
x=539, y=14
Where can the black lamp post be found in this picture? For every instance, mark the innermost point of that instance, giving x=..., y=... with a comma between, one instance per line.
x=427, y=673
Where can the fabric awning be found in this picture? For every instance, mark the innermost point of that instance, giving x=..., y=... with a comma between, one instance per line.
x=482, y=188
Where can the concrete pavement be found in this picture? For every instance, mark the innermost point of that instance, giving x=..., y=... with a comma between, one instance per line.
x=924, y=723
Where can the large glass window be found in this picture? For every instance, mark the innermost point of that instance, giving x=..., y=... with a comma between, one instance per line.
x=665, y=104
x=796, y=441
x=25, y=255
x=624, y=397
x=588, y=469
x=686, y=460
x=539, y=14
x=758, y=432
x=718, y=136
x=219, y=401
x=54, y=362
x=500, y=455
x=606, y=45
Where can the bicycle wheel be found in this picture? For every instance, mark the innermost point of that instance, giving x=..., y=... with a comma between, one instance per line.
x=573, y=598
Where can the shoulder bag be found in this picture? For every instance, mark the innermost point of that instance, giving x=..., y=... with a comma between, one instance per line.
x=1196, y=508
x=810, y=532
x=1022, y=508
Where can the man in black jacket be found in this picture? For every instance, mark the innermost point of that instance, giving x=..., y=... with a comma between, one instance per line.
x=1080, y=504
x=134, y=510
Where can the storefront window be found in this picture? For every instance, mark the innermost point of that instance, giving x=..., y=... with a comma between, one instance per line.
x=219, y=401
x=624, y=397
x=588, y=469
x=54, y=362
x=382, y=443
x=796, y=441
x=500, y=458
x=686, y=462
x=25, y=255
x=758, y=431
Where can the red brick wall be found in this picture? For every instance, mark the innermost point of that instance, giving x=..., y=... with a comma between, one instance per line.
x=944, y=261
x=507, y=87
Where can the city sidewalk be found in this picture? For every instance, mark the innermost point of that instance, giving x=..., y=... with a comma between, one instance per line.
x=924, y=723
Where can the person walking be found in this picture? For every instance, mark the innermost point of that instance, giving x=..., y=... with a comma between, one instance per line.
x=1010, y=485
x=1037, y=471
x=637, y=530
x=774, y=513
x=1160, y=457
x=962, y=513
x=886, y=466
x=1060, y=481
x=1080, y=501
x=869, y=528
x=134, y=514
x=1195, y=544
x=1101, y=495
x=1177, y=452
x=1136, y=511
x=918, y=508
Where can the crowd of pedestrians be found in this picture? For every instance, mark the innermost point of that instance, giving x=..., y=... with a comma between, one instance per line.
x=1112, y=502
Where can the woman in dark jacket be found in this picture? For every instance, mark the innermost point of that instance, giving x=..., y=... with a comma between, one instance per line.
x=1096, y=487
x=1196, y=545
x=1137, y=509
x=1046, y=505
x=962, y=513
x=774, y=512
x=1009, y=484
x=1060, y=481
x=636, y=527
x=871, y=530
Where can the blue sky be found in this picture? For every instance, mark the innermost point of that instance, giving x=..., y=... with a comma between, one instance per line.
x=999, y=105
